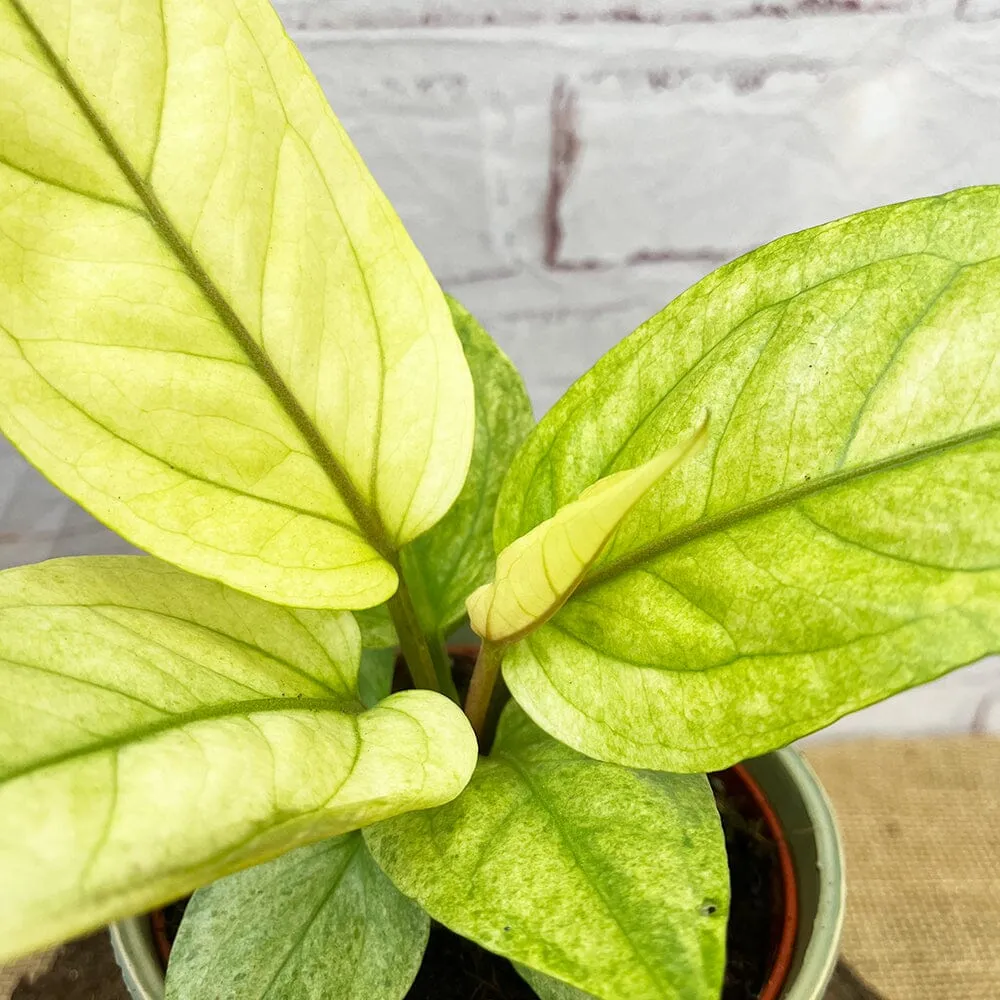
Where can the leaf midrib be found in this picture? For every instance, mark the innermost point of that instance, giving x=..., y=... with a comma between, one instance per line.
x=537, y=793
x=208, y=713
x=181, y=467
x=367, y=519
x=296, y=945
x=780, y=500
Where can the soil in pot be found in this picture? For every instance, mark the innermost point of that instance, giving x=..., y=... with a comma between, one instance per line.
x=757, y=932
x=457, y=969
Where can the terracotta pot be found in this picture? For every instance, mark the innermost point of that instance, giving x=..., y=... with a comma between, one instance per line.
x=792, y=802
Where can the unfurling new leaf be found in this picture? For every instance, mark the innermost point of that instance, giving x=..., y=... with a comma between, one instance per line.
x=537, y=573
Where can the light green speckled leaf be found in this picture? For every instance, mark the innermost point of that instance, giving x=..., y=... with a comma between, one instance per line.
x=612, y=880
x=158, y=731
x=838, y=539
x=211, y=320
x=320, y=922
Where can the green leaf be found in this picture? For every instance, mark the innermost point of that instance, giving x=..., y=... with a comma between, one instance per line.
x=211, y=320
x=548, y=988
x=445, y=565
x=612, y=880
x=377, y=630
x=375, y=675
x=320, y=922
x=538, y=572
x=838, y=540
x=158, y=731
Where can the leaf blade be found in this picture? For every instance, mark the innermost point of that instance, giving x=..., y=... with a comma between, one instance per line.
x=589, y=872
x=299, y=500
x=377, y=629
x=125, y=734
x=268, y=931
x=852, y=371
x=375, y=675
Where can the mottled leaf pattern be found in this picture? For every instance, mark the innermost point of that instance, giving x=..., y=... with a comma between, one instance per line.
x=320, y=922
x=612, y=880
x=838, y=539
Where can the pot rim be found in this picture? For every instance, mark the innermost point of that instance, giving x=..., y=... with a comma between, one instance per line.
x=136, y=955
x=823, y=949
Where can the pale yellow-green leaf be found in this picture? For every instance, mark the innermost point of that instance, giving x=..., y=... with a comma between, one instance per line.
x=537, y=573
x=158, y=731
x=211, y=320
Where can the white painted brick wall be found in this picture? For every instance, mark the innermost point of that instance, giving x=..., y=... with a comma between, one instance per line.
x=569, y=166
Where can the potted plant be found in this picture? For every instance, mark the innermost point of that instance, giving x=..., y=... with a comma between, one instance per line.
x=771, y=505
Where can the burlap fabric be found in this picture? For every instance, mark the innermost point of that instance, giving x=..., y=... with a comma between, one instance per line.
x=921, y=827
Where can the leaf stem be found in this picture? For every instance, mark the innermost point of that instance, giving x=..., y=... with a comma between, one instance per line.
x=412, y=641
x=442, y=666
x=484, y=679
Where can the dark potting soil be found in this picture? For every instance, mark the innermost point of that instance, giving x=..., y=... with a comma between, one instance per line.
x=756, y=909
x=83, y=969
x=455, y=968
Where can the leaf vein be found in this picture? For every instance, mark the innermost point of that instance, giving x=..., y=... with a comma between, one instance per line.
x=161, y=223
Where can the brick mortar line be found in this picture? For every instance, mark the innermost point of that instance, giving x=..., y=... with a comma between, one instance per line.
x=620, y=14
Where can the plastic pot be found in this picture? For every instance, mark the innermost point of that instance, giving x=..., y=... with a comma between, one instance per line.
x=797, y=800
